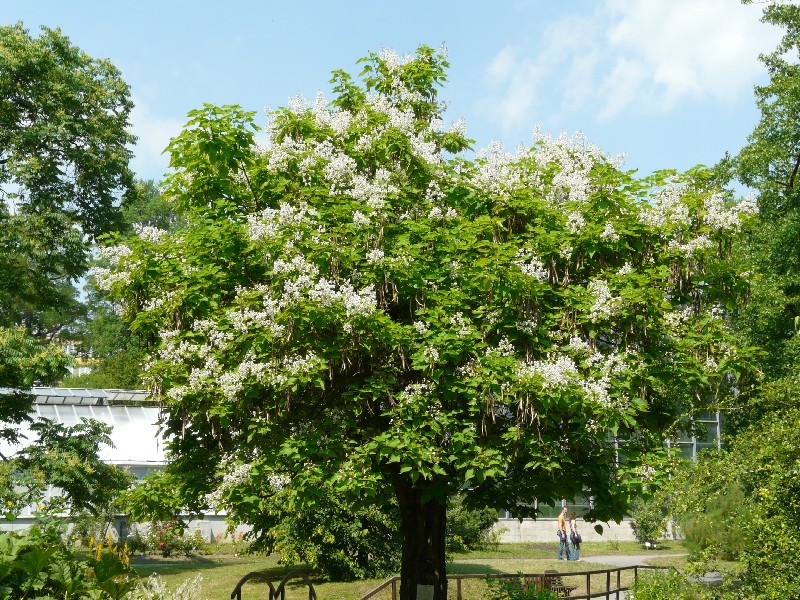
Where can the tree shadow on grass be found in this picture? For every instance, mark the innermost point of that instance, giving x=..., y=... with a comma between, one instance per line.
x=184, y=564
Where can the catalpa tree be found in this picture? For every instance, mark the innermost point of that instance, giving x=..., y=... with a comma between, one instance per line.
x=356, y=307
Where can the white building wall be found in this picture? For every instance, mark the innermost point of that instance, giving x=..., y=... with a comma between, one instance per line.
x=544, y=530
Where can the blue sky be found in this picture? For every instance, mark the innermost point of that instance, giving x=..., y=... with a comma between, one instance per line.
x=667, y=82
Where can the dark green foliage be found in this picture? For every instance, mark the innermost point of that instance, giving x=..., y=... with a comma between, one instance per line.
x=63, y=130
x=341, y=542
x=67, y=458
x=122, y=370
x=669, y=585
x=468, y=529
x=718, y=527
x=148, y=207
x=649, y=519
x=514, y=589
x=154, y=498
x=23, y=362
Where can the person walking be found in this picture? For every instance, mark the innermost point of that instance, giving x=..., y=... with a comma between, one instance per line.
x=574, y=536
x=563, y=540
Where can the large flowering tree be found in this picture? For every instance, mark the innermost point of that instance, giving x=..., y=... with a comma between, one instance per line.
x=357, y=307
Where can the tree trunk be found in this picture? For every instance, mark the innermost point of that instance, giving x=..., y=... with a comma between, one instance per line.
x=422, y=571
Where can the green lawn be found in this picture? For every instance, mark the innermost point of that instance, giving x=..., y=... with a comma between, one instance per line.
x=221, y=572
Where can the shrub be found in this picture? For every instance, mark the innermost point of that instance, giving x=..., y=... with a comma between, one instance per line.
x=649, y=519
x=513, y=589
x=166, y=538
x=341, y=542
x=668, y=585
x=468, y=529
x=719, y=529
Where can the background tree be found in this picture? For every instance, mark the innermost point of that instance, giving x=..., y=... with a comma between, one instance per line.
x=115, y=352
x=63, y=170
x=742, y=501
x=769, y=165
x=357, y=309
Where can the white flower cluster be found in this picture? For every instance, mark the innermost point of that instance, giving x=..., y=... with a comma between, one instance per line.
x=279, y=155
x=459, y=127
x=528, y=326
x=431, y=354
x=338, y=120
x=360, y=220
x=404, y=120
x=157, y=302
x=436, y=213
x=375, y=256
x=153, y=235
x=373, y=193
x=720, y=218
x=579, y=345
x=625, y=269
x=357, y=303
x=679, y=317
x=270, y=222
x=340, y=167
x=605, y=304
x=646, y=472
x=666, y=208
x=553, y=372
x=267, y=373
x=232, y=382
x=460, y=323
x=531, y=265
x=609, y=234
x=247, y=319
x=575, y=222
x=298, y=104
x=233, y=475
x=305, y=272
x=688, y=249
x=575, y=157
x=106, y=279
x=496, y=169
x=504, y=348
x=115, y=254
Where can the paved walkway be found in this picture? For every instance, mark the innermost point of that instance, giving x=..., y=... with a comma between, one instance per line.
x=624, y=560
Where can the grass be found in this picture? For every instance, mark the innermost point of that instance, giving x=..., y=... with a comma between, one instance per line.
x=221, y=572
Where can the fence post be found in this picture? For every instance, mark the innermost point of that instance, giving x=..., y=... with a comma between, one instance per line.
x=394, y=589
x=608, y=585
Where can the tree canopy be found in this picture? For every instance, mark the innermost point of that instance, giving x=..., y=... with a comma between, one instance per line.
x=63, y=172
x=769, y=165
x=358, y=307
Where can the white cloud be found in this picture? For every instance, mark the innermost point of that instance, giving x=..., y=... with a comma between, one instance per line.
x=689, y=48
x=630, y=55
x=154, y=133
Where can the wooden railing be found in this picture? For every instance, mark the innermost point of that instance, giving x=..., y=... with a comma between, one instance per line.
x=278, y=593
x=589, y=591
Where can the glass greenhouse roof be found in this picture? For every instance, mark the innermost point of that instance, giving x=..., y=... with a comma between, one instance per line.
x=132, y=414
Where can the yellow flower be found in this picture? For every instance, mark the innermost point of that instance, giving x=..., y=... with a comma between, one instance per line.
x=10, y=503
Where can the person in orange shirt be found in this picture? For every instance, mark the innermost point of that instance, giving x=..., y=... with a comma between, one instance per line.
x=563, y=540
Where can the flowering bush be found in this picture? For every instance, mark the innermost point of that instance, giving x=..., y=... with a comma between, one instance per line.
x=166, y=538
